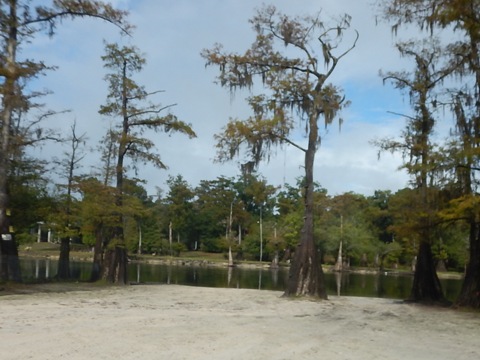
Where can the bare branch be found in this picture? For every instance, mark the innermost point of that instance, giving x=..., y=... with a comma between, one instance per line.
x=144, y=95
x=148, y=111
x=288, y=141
x=402, y=115
x=73, y=9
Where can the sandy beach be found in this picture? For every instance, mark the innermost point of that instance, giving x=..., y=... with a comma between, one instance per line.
x=180, y=322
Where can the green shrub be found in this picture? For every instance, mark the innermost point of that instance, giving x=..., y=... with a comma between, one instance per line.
x=178, y=248
x=214, y=245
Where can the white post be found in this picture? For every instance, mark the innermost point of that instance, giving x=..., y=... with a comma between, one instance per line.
x=261, y=236
x=170, y=236
x=230, y=257
x=275, y=258
x=139, y=239
x=39, y=232
x=239, y=234
x=37, y=268
x=339, y=264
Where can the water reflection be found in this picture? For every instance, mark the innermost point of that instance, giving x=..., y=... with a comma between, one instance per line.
x=38, y=267
x=365, y=285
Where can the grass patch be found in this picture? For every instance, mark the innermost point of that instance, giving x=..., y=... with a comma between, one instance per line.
x=44, y=249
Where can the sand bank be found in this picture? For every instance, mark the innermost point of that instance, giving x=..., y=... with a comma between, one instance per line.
x=180, y=322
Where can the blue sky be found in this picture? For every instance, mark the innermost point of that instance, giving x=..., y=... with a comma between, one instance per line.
x=172, y=34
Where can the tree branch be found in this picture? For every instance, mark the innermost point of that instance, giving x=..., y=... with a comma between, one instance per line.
x=288, y=141
x=402, y=115
x=144, y=112
x=79, y=8
x=145, y=95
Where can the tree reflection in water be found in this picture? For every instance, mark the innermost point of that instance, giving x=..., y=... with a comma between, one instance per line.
x=338, y=283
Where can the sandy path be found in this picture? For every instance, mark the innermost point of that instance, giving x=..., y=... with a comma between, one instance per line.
x=179, y=322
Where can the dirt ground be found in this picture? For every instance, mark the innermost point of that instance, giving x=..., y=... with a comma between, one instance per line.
x=180, y=322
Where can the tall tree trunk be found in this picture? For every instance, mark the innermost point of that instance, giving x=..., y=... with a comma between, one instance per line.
x=63, y=271
x=97, y=264
x=116, y=259
x=426, y=285
x=115, y=265
x=4, y=223
x=9, y=263
x=306, y=275
x=339, y=263
x=470, y=292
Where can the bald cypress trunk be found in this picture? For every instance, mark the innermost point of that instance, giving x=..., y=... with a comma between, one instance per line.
x=426, y=285
x=9, y=262
x=63, y=272
x=470, y=292
x=115, y=265
x=306, y=275
x=97, y=264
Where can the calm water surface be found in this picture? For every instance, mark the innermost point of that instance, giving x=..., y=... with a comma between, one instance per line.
x=367, y=285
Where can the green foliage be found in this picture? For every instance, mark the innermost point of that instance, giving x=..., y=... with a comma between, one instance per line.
x=251, y=246
x=178, y=248
x=342, y=218
x=387, y=254
x=380, y=215
x=179, y=201
x=214, y=245
x=367, y=225
x=88, y=239
x=25, y=238
x=452, y=247
x=98, y=209
x=289, y=229
x=214, y=200
x=29, y=205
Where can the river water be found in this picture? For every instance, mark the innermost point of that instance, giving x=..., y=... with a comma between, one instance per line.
x=347, y=284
